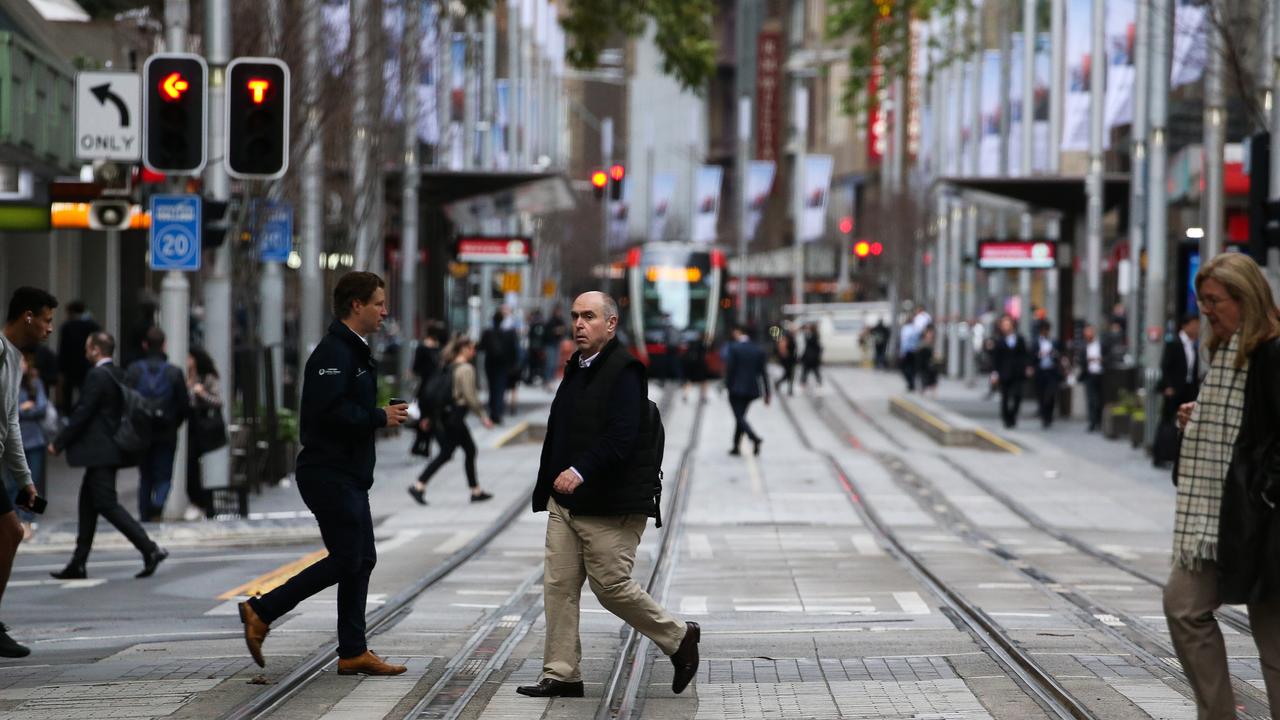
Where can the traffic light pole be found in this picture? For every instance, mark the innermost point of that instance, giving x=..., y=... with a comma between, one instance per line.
x=409, y=206
x=1157, y=208
x=311, y=277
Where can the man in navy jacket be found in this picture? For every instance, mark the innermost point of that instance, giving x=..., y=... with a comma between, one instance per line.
x=335, y=471
x=745, y=377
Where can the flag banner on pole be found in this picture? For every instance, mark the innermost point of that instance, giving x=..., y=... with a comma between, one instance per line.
x=817, y=186
x=759, y=186
x=916, y=87
x=501, y=123
x=1075, y=110
x=989, y=144
x=1121, y=28
x=428, y=78
x=661, y=196
x=706, y=203
x=1040, y=145
x=1190, y=51
x=619, y=216
x=458, y=77
x=968, y=133
x=1015, y=104
x=336, y=26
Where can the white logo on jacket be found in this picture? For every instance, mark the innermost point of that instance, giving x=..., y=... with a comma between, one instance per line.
x=329, y=371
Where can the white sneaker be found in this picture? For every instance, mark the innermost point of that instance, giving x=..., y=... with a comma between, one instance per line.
x=192, y=514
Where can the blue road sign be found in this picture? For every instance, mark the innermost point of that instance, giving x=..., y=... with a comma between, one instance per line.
x=275, y=240
x=175, y=232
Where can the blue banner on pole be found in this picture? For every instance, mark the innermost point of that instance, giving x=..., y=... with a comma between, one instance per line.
x=275, y=238
x=175, y=232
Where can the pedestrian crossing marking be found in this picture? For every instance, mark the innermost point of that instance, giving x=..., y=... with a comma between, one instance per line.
x=64, y=584
x=866, y=545
x=269, y=581
x=699, y=546
x=693, y=605
x=911, y=603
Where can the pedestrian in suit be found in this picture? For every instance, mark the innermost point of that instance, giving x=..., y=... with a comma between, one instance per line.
x=426, y=363
x=28, y=323
x=498, y=344
x=88, y=442
x=811, y=357
x=1011, y=365
x=1179, y=384
x=71, y=363
x=339, y=418
x=598, y=480
x=746, y=378
x=1048, y=372
x=1091, y=361
x=787, y=357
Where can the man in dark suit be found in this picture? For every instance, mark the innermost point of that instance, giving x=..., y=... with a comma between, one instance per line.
x=745, y=377
x=87, y=438
x=1010, y=367
x=1091, y=360
x=71, y=363
x=1179, y=384
x=500, y=347
x=1048, y=372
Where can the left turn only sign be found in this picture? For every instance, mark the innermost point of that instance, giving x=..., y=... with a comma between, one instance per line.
x=108, y=116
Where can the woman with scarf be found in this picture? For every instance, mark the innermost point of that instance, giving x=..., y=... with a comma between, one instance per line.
x=1226, y=534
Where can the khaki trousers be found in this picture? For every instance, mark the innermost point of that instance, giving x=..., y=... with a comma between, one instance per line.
x=601, y=550
x=1189, y=601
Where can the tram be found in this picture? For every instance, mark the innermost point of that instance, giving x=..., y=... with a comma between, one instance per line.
x=673, y=307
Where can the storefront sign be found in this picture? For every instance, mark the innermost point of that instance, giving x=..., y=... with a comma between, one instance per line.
x=1031, y=254
x=509, y=250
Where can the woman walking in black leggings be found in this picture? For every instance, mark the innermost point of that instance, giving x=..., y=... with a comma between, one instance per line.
x=452, y=431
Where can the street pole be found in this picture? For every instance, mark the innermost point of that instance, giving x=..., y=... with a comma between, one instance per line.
x=175, y=289
x=1215, y=112
x=271, y=281
x=1027, y=142
x=744, y=140
x=953, y=300
x=410, y=176
x=1057, y=66
x=488, y=90
x=361, y=137
x=1093, y=186
x=1138, y=177
x=971, y=289
x=801, y=113
x=606, y=159
x=1157, y=208
x=513, y=85
x=940, y=257
x=310, y=276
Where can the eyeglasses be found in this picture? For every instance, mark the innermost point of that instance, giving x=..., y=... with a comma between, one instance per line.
x=1209, y=302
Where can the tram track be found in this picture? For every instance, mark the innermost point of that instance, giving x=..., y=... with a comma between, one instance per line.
x=1237, y=620
x=1025, y=671
x=1146, y=645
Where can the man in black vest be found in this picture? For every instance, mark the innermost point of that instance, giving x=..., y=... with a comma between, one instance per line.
x=335, y=471
x=598, y=480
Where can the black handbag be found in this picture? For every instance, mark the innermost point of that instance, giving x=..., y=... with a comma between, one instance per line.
x=208, y=429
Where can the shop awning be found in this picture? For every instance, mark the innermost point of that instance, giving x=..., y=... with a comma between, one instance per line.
x=1063, y=194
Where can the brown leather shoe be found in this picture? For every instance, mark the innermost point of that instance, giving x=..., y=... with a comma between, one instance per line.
x=685, y=658
x=368, y=664
x=255, y=631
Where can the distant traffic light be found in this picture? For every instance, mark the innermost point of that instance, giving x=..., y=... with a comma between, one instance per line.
x=598, y=182
x=846, y=225
x=257, y=125
x=862, y=248
x=174, y=98
x=109, y=215
x=616, y=175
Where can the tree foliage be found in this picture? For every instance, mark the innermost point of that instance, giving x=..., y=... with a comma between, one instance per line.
x=880, y=31
x=683, y=32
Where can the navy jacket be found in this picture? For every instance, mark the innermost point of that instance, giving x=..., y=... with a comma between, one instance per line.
x=87, y=436
x=744, y=372
x=339, y=407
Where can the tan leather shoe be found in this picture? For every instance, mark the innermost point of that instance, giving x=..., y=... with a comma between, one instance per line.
x=255, y=631
x=368, y=664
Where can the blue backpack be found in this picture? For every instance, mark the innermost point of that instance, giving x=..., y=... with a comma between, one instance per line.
x=155, y=386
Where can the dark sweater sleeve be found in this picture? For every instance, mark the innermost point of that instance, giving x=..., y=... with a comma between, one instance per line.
x=326, y=400
x=621, y=428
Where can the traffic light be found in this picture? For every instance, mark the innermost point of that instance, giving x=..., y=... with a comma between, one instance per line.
x=846, y=225
x=862, y=248
x=616, y=175
x=109, y=215
x=598, y=182
x=174, y=98
x=257, y=118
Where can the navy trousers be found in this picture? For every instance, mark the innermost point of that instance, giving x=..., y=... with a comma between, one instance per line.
x=341, y=508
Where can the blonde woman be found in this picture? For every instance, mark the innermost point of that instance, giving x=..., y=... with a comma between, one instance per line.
x=1226, y=532
x=451, y=421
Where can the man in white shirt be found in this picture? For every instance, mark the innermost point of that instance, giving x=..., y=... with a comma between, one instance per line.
x=1090, y=361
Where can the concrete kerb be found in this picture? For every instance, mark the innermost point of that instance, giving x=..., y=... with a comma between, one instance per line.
x=947, y=428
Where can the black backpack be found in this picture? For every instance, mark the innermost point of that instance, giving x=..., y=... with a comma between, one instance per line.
x=137, y=419
x=658, y=437
x=437, y=398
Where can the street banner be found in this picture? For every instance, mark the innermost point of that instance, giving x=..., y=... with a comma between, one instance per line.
x=1121, y=30
x=429, y=77
x=817, y=186
x=457, y=99
x=661, y=195
x=759, y=187
x=768, y=108
x=336, y=23
x=1040, y=131
x=916, y=84
x=1015, y=104
x=968, y=133
x=706, y=203
x=1190, y=52
x=1075, y=110
x=989, y=143
x=619, y=217
x=502, y=123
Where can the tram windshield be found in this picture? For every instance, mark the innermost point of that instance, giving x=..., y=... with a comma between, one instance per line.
x=675, y=282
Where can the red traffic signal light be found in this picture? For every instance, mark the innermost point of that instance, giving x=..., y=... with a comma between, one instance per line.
x=617, y=173
x=599, y=179
x=174, y=101
x=173, y=87
x=876, y=249
x=258, y=90
x=862, y=248
x=257, y=126
x=846, y=225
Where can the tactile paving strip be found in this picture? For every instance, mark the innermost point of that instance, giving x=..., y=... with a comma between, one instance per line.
x=840, y=700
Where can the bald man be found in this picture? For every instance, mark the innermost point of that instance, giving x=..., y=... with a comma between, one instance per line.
x=598, y=480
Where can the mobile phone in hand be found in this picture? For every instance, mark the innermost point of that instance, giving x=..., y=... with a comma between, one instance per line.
x=38, y=504
x=398, y=401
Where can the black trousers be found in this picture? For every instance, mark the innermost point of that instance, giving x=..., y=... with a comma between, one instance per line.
x=497, y=393
x=806, y=370
x=907, y=363
x=1010, y=401
x=1046, y=395
x=452, y=436
x=788, y=377
x=98, y=498
x=741, y=427
x=1093, y=396
x=341, y=508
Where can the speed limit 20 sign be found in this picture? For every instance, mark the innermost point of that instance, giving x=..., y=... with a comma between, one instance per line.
x=175, y=232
